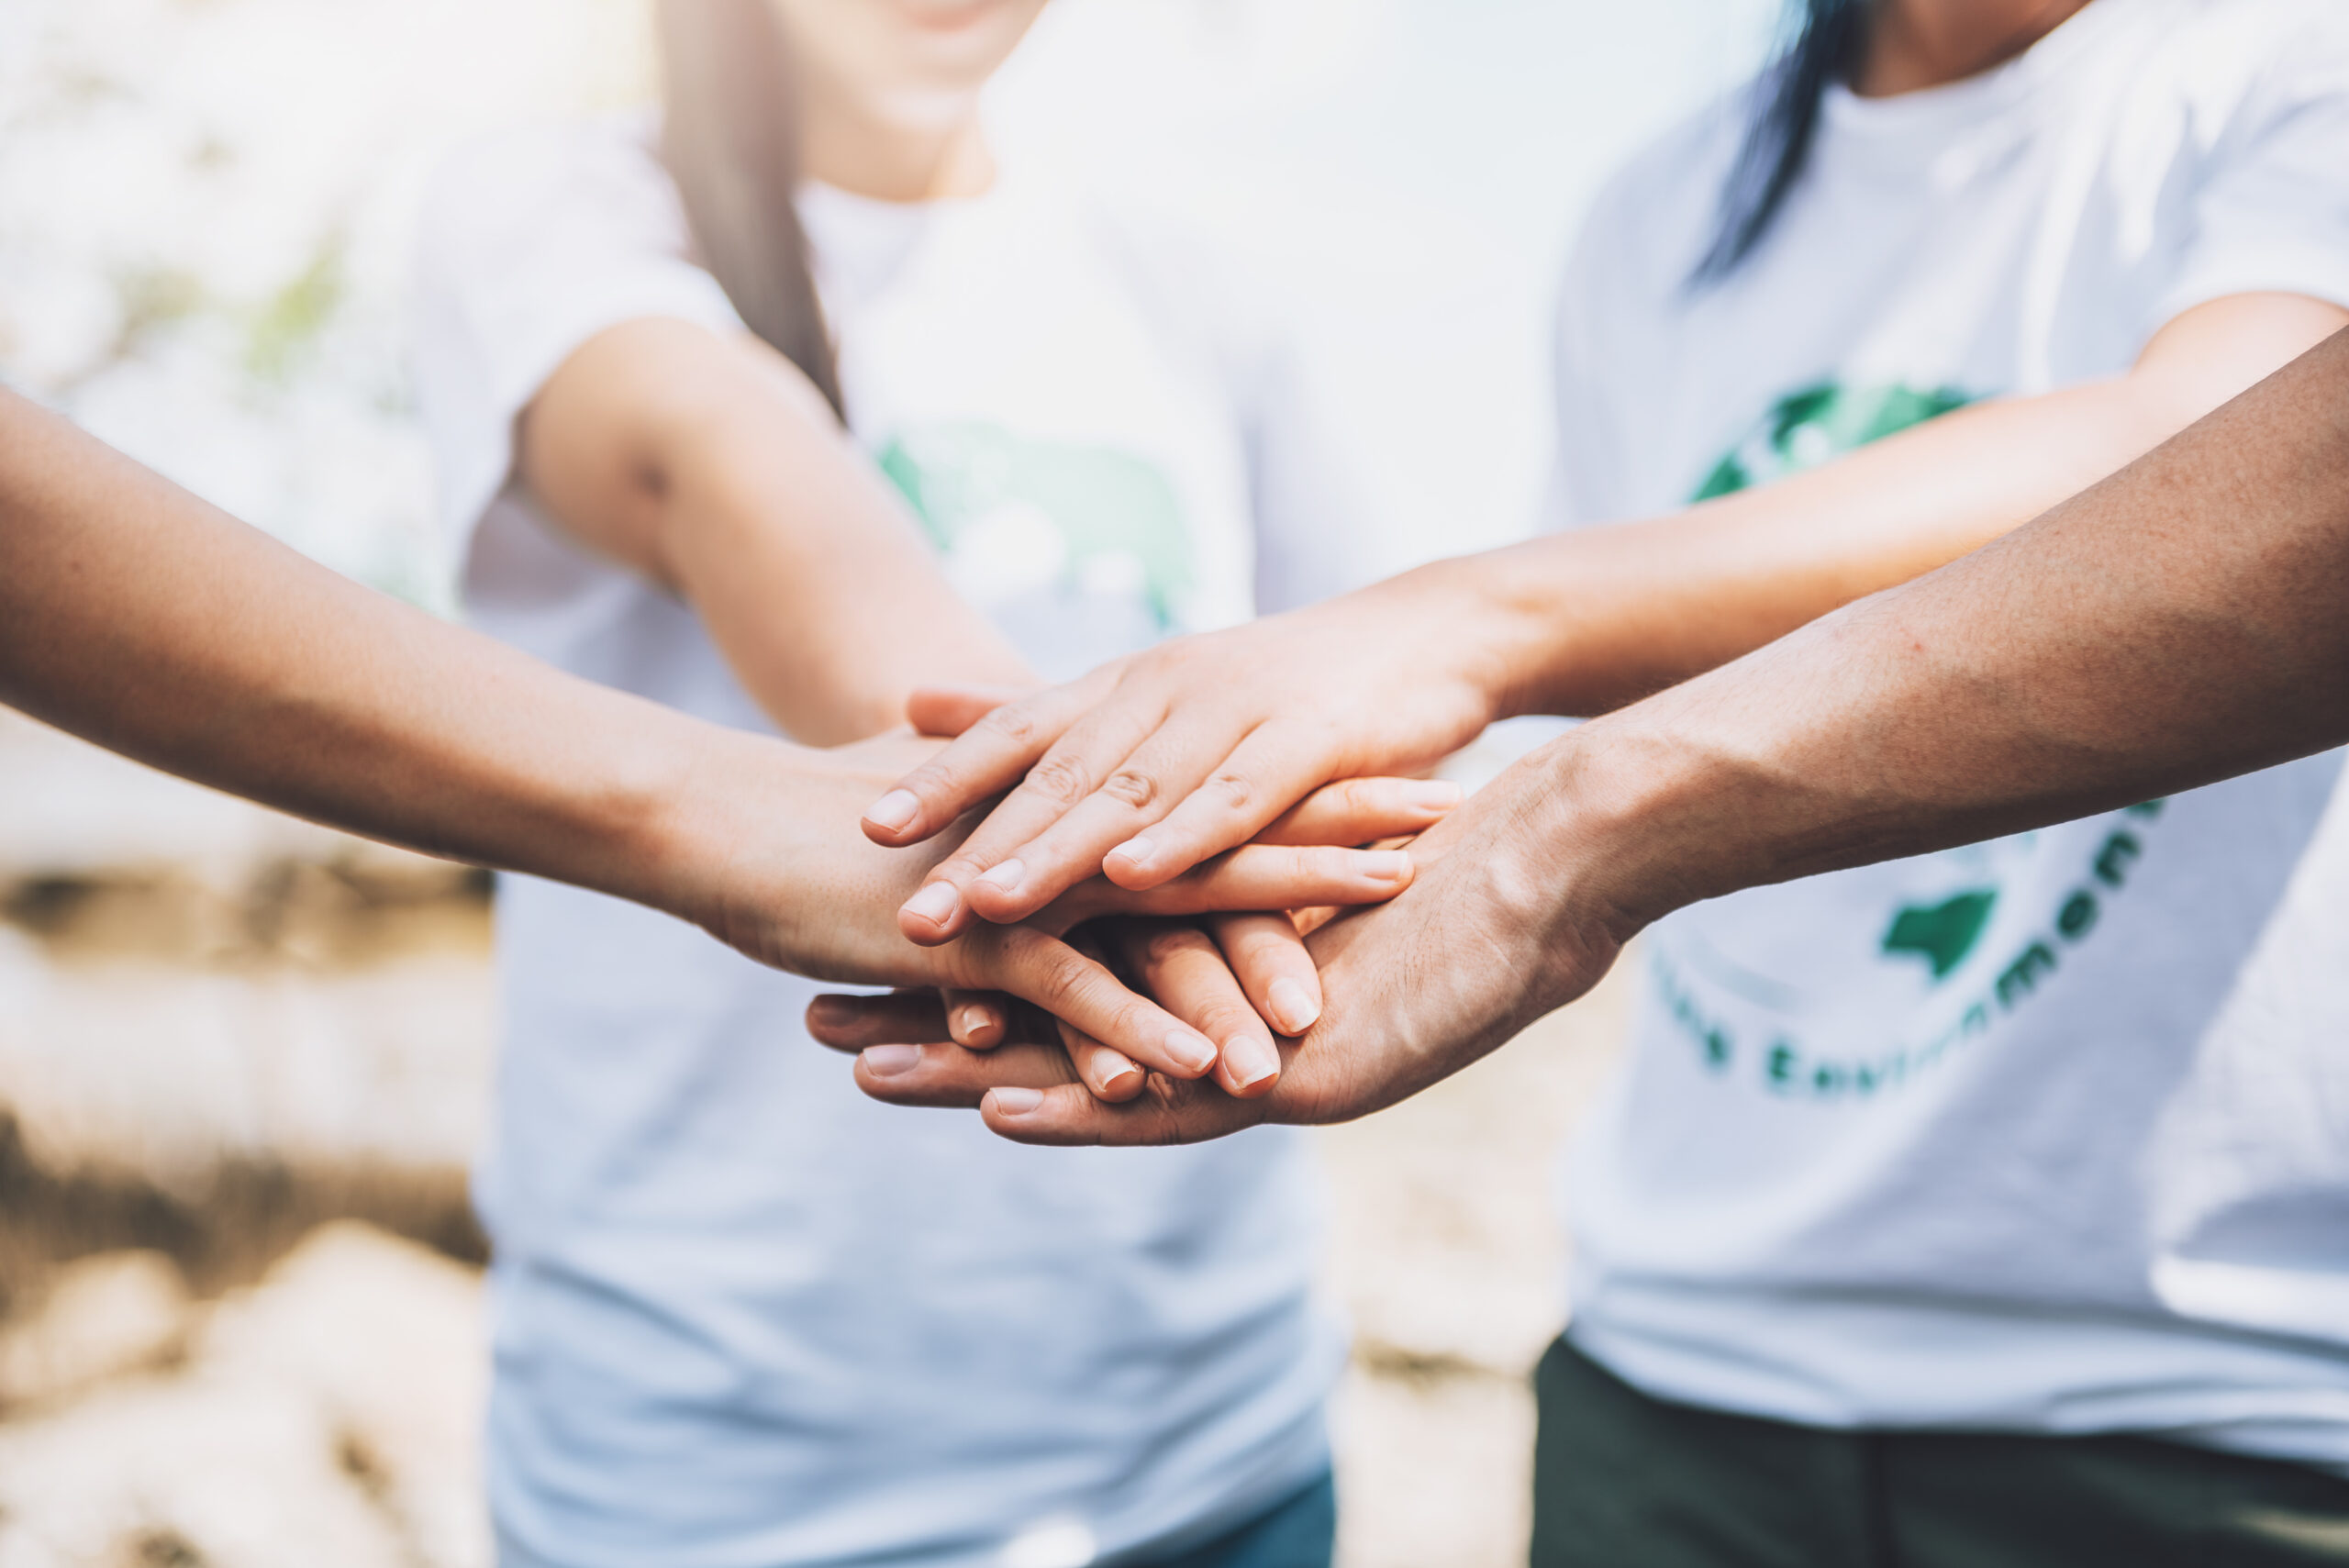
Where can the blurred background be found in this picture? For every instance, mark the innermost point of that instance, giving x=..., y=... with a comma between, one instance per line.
x=243, y=1060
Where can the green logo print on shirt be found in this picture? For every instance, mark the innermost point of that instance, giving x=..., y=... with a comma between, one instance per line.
x=1801, y=431
x=1942, y=934
x=1805, y=429
x=1104, y=517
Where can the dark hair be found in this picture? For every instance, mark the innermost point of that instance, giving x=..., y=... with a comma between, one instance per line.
x=1824, y=48
x=731, y=137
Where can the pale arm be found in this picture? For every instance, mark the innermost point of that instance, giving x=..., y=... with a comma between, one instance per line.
x=1606, y=615
x=142, y=619
x=1140, y=771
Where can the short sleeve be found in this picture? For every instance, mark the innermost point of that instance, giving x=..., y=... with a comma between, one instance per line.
x=1584, y=484
x=532, y=243
x=1308, y=514
x=2271, y=214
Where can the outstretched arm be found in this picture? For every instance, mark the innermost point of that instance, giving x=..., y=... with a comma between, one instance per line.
x=1140, y=770
x=2181, y=622
x=142, y=619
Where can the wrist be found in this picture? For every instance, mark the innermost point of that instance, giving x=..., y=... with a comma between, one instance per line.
x=1633, y=822
x=671, y=819
x=1462, y=611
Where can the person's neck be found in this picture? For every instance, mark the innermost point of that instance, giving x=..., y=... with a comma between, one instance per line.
x=1915, y=44
x=887, y=162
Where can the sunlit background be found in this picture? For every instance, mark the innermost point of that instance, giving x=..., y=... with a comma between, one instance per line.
x=242, y=1061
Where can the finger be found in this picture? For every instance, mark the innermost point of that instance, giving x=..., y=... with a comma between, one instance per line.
x=1159, y=769
x=1356, y=811
x=986, y=759
x=980, y=1020
x=1067, y=1116
x=1261, y=777
x=948, y=711
x=1181, y=966
x=946, y=1075
x=1258, y=877
x=851, y=1023
x=1110, y=1075
x=1081, y=992
x=1274, y=967
x=1065, y=775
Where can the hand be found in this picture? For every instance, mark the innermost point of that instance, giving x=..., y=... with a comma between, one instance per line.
x=1204, y=742
x=1210, y=974
x=1228, y=976
x=767, y=861
x=1513, y=912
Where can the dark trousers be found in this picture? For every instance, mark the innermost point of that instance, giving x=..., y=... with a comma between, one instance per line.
x=1297, y=1533
x=1624, y=1481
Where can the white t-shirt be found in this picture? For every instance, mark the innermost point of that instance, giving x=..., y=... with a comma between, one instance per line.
x=744, y=1315
x=1884, y=1150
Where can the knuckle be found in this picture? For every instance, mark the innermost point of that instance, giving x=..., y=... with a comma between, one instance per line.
x=1013, y=725
x=1049, y=972
x=1060, y=779
x=934, y=777
x=1164, y=1113
x=1132, y=788
x=1061, y=983
x=959, y=869
x=1172, y=657
x=1232, y=790
x=1230, y=1016
x=1170, y=944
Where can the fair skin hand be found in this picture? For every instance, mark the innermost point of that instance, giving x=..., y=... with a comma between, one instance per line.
x=2177, y=624
x=1143, y=768
x=140, y=619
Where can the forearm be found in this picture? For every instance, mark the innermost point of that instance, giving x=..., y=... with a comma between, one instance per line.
x=138, y=617
x=2179, y=623
x=1585, y=622
x=713, y=467
x=815, y=584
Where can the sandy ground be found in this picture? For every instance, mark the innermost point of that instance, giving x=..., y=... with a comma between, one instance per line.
x=213, y=1061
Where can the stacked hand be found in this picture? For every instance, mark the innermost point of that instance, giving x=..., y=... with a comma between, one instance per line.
x=1148, y=767
x=821, y=904
x=1498, y=926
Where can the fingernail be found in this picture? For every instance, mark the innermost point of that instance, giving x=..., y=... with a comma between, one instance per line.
x=1117, y=1083
x=888, y=1061
x=1384, y=865
x=969, y=1021
x=1015, y=1102
x=1427, y=794
x=1006, y=876
x=1190, y=1052
x=1293, y=1009
x=894, y=812
x=1137, y=852
x=935, y=902
x=1251, y=1061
